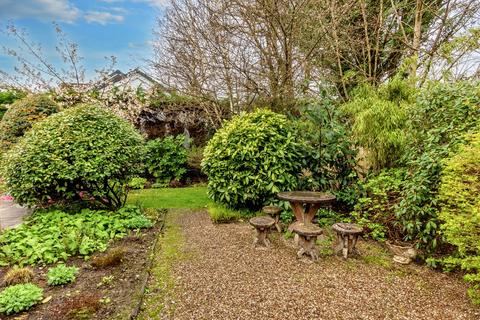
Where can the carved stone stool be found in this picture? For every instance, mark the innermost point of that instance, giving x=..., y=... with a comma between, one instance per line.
x=274, y=212
x=307, y=234
x=262, y=225
x=347, y=236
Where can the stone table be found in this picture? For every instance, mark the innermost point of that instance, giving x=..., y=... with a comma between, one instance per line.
x=305, y=204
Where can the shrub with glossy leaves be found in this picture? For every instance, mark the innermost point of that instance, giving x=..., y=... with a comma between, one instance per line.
x=21, y=115
x=329, y=152
x=20, y=297
x=252, y=158
x=83, y=154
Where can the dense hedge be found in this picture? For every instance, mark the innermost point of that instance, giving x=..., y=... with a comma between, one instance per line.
x=251, y=158
x=84, y=153
x=443, y=115
x=21, y=115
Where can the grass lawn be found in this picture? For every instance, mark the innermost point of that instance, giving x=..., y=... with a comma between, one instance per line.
x=191, y=197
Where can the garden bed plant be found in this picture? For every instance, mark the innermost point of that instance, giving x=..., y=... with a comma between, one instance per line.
x=105, y=254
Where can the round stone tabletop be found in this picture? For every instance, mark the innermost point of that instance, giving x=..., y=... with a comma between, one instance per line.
x=307, y=197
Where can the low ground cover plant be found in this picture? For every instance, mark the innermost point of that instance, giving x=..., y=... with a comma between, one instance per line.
x=48, y=237
x=61, y=274
x=84, y=155
x=20, y=297
x=137, y=183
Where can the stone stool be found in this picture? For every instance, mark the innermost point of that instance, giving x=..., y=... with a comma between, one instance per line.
x=307, y=234
x=347, y=236
x=274, y=212
x=262, y=225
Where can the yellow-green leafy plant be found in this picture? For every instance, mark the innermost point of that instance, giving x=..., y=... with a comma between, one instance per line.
x=459, y=195
x=380, y=121
x=221, y=214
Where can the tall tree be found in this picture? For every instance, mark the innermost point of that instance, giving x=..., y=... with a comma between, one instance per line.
x=274, y=51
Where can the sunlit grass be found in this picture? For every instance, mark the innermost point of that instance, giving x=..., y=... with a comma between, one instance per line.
x=191, y=197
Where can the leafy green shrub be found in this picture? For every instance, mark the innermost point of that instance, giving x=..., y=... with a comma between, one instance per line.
x=21, y=115
x=20, y=297
x=61, y=274
x=222, y=214
x=167, y=158
x=375, y=208
x=83, y=154
x=460, y=211
x=329, y=153
x=443, y=115
x=137, y=183
x=251, y=158
x=380, y=121
x=47, y=237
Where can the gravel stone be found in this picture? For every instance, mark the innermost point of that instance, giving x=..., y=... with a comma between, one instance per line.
x=227, y=278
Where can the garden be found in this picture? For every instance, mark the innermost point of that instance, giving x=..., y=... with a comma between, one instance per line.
x=329, y=178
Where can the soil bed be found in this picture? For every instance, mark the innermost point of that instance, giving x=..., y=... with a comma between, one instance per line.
x=103, y=293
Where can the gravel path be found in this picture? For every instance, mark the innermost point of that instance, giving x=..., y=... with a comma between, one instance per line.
x=227, y=278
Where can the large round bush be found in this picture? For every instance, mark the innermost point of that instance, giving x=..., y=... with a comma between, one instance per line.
x=251, y=158
x=21, y=115
x=84, y=153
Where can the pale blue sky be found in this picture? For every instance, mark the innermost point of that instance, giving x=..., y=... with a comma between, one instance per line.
x=122, y=28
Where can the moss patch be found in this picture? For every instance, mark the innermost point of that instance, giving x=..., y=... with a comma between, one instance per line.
x=162, y=284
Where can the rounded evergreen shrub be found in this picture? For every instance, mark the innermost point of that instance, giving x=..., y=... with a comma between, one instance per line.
x=85, y=154
x=251, y=158
x=20, y=116
x=460, y=210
